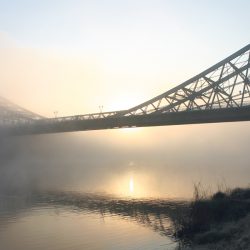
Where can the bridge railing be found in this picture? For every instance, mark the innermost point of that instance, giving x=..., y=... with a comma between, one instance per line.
x=91, y=116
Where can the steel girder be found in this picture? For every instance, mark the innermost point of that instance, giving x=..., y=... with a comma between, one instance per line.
x=224, y=85
x=11, y=114
x=218, y=94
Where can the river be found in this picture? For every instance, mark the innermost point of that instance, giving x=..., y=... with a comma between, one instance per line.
x=146, y=173
x=75, y=221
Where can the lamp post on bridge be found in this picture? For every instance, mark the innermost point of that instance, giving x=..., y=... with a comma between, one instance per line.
x=101, y=108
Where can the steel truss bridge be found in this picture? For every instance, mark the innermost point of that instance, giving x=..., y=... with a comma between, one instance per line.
x=218, y=94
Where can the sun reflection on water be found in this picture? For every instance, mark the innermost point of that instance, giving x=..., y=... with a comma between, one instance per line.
x=131, y=185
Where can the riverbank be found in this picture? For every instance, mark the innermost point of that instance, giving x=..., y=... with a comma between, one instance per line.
x=218, y=221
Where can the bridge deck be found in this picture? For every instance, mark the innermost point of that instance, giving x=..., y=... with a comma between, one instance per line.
x=178, y=118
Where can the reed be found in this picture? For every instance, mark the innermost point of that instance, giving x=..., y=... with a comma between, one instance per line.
x=209, y=213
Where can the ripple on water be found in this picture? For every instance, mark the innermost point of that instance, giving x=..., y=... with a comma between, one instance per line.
x=55, y=221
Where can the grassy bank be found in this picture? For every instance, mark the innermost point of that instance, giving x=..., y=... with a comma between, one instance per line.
x=218, y=221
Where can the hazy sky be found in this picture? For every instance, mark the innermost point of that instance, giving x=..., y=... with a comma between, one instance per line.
x=73, y=56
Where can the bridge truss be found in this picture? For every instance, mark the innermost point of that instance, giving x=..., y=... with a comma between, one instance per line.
x=224, y=85
x=218, y=94
x=11, y=113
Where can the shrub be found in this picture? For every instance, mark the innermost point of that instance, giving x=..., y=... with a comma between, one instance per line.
x=219, y=196
x=206, y=211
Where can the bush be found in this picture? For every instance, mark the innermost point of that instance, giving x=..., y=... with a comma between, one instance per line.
x=240, y=193
x=219, y=196
x=211, y=237
x=207, y=211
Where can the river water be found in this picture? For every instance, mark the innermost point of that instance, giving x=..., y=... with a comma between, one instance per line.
x=157, y=162
x=85, y=221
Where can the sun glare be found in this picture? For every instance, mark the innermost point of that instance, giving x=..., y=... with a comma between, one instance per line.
x=132, y=184
x=123, y=101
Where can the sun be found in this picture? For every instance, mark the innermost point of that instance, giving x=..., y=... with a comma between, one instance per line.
x=123, y=101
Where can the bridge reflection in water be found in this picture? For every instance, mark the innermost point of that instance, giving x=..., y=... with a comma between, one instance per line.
x=157, y=214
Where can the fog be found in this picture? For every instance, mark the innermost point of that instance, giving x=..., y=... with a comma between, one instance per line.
x=166, y=161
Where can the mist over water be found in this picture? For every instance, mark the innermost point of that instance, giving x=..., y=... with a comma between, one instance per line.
x=79, y=184
x=164, y=162
x=126, y=187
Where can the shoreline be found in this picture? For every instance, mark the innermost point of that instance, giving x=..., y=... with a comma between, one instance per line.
x=218, y=221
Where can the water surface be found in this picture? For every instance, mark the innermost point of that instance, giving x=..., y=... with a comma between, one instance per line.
x=73, y=221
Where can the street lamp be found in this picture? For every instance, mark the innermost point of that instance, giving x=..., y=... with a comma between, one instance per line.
x=101, y=108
